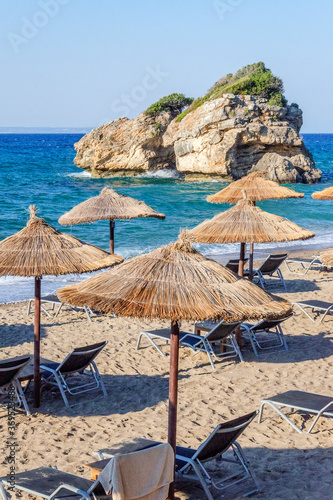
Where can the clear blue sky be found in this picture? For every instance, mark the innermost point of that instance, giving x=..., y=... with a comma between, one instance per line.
x=75, y=63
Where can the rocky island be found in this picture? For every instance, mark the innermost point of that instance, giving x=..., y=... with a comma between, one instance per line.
x=242, y=124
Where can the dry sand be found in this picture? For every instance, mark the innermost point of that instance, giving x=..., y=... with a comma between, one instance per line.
x=287, y=464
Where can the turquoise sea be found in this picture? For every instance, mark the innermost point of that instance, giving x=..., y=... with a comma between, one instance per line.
x=38, y=169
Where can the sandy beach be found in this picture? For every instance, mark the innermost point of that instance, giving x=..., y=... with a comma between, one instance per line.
x=287, y=464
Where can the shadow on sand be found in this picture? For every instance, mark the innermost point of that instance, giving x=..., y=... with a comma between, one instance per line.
x=13, y=335
x=126, y=393
x=282, y=473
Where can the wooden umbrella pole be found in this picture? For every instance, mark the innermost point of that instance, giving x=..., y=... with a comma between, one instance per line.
x=173, y=393
x=251, y=262
x=238, y=332
x=241, y=259
x=251, y=256
x=112, y=225
x=37, y=378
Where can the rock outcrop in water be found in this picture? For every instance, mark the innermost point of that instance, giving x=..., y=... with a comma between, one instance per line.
x=126, y=147
x=225, y=137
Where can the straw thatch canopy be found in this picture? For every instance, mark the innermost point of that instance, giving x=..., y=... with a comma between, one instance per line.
x=256, y=188
x=174, y=282
x=247, y=223
x=108, y=205
x=325, y=194
x=39, y=249
x=327, y=258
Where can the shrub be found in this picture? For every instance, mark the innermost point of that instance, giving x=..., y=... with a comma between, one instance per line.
x=173, y=102
x=253, y=79
x=277, y=100
x=294, y=104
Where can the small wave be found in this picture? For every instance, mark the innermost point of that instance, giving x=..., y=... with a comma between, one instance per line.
x=79, y=175
x=166, y=173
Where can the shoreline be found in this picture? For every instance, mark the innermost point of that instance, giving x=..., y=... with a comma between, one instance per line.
x=50, y=287
x=261, y=254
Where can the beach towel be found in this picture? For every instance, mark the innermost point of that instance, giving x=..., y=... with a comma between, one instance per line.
x=142, y=475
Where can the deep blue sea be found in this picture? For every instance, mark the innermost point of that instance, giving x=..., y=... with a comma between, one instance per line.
x=38, y=169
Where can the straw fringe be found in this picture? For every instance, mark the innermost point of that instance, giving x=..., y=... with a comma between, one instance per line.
x=248, y=224
x=174, y=282
x=256, y=188
x=108, y=205
x=39, y=249
x=325, y=194
x=327, y=258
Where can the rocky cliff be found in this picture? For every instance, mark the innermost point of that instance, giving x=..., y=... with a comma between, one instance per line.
x=225, y=137
x=126, y=147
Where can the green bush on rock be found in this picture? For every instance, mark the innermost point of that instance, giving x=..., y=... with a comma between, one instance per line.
x=173, y=102
x=253, y=79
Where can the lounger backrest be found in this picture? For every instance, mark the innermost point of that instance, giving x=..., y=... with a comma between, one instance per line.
x=233, y=265
x=222, y=437
x=10, y=369
x=221, y=331
x=272, y=263
x=78, y=359
x=267, y=324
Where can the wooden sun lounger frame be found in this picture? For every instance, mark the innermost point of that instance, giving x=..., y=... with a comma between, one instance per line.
x=276, y=405
x=326, y=309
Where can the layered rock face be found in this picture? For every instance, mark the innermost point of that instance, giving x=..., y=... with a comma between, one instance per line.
x=230, y=136
x=225, y=137
x=126, y=147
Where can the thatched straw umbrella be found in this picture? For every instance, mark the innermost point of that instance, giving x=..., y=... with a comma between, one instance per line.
x=39, y=250
x=325, y=194
x=327, y=258
x=108, y=205
x=247, y=223
x=256, y=188
x=174, y=282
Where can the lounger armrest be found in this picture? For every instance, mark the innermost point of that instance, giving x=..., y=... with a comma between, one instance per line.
x=48, y=369
x=246, y=327
x=71, y=488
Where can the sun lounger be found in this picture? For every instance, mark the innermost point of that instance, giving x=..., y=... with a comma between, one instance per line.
x=80, y=361
x=123, y=475
x=270, y=268
x=57, y=305
x=260, y=335
x=315, y=305
x=220, y=335
x=233, y=265
x=10, y=370
x=296, y=263
x=191, y=463
x=321, y=406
